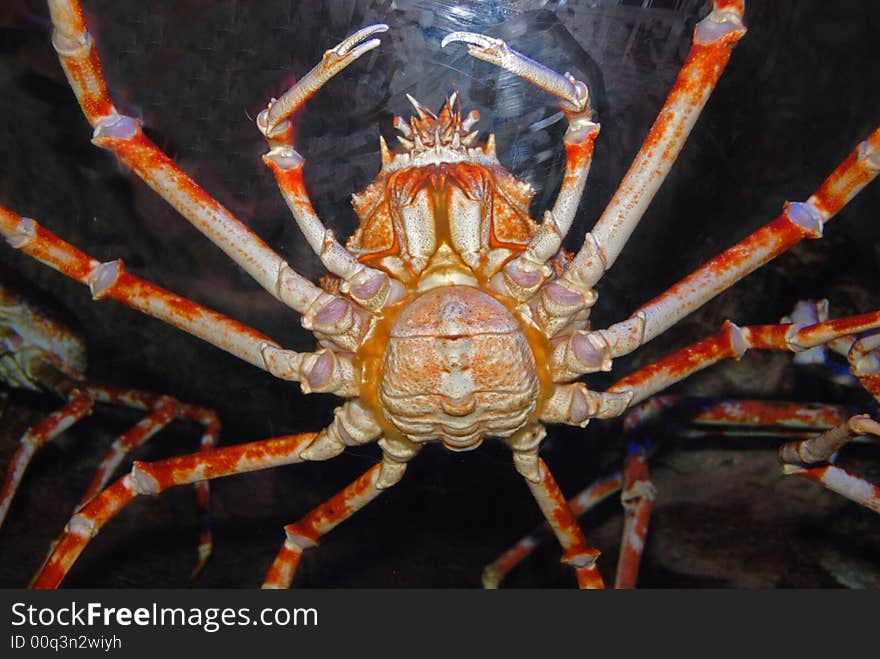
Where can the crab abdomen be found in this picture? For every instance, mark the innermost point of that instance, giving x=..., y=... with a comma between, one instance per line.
x=458, y=368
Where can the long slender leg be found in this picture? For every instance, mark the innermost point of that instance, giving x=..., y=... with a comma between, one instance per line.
x=732, y=343
x=123, y=136
x=799, y=458
x=638, y=500
x=163, y=410
x=110, y=280
x=156, y=420
x=370, y=287
x=352, y=425
x=796, y=419
x=791, y=417
x=153, y=478
x=797, y=221
x=208, y=441
x=307, y=531
x=714, y=38
x=840, y=481
x=576, y=551
x=78, y=405
x=579, y=504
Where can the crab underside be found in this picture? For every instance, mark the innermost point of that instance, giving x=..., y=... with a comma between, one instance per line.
x=451, y=316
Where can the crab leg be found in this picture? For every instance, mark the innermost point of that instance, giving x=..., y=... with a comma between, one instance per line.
x=139, y=434
x=795, y=418
x=110, y=280
x=823, y=447
x=306, y=532
x=522, y=276
x=864, y=363
x=559, y=516
x=161, y=416
x=790, y=416
x=638, y=500
x=79, y=404
x=732, y=343
x=797, y=221
x=574, y=100
x=840, y=481
x=714, y=39
x=164, y=410
x=370, y=287
x=153, y=478
x=586, y=500
x=797, y=458
x=123, y=136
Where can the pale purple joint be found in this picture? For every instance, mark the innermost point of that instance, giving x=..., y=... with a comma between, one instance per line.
x=104, y=277
x=116, y=126
x=806, y=216
x=716, y=26
x=563, y=296
x=523, y=278
x=368, y=289
x=321, y=371
x=586, y=352
x=332, y=312
x=23, y=234
x=285, y=158
x=579, y=409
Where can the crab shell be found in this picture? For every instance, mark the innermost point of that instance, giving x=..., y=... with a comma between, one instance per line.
x=454, y=362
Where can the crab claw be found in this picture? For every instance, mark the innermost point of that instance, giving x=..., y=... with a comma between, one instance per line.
x=350, y=49
x=488, y=49
x=334, y=60
x=572, y=93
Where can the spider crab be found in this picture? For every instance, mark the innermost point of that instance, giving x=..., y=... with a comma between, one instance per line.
x=450, y=315
x=41, y=352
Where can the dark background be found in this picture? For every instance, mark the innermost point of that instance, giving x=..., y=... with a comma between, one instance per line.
x=802, y=89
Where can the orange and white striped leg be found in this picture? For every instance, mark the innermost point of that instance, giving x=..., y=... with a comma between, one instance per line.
x=792, y=419
x=153, y=478
x=123, y=136
x=110, y=280
x=160, y=416
x=78, y=405
x=576, y=551
x=638, y=499
x=306, y=532
x=797, y=221
x=840, y=481
x=732, y=343
x=713, y=41
x=581, y=503
x=163, y=410
x=369, y=287
x=799, y=458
